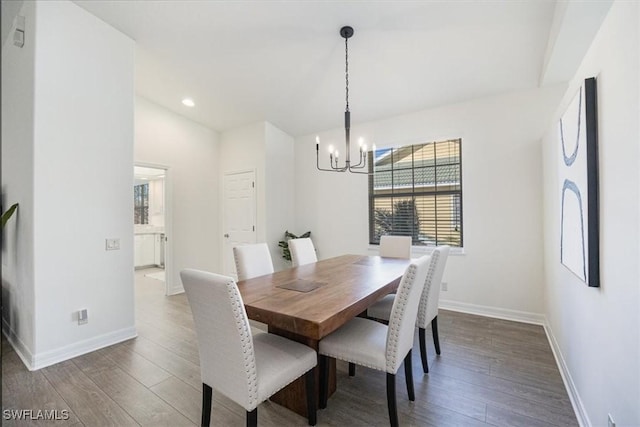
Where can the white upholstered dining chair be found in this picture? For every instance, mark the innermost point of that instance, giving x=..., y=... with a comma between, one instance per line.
x=382, y=347
x=395, y=246
x=302, y=251
x=252, y=260
x=246, y=368
x=428, y=309
x=390, y=247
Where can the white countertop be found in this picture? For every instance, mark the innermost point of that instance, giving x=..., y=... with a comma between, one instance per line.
x=147, y=229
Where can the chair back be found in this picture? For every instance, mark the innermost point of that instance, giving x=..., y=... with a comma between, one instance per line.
x=225, y=344
x=402, y=321
x=428, y=308
x=302, y=251
x=395, y=246
x=252, y=260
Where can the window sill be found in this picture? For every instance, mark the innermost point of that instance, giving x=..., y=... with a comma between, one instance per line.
x=422, y=250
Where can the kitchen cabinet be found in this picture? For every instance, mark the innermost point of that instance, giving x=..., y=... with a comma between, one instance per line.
x=144, y=253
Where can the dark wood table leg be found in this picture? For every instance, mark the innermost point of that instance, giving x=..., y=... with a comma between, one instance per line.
x=293, y=395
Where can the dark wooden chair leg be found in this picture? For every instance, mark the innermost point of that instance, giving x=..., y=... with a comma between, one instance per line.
x=352, y=369
x=391, y=399
x=408, y=374
x=206, y=405
x=324, y=381
x=252, y=418
x=423, y=350
x=434, y=330
x=310, y=382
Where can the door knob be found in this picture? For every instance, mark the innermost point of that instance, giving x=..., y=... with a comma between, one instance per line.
x=226, y=235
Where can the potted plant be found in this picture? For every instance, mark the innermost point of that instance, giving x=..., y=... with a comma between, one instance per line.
x=284, y=244
x=5, y=216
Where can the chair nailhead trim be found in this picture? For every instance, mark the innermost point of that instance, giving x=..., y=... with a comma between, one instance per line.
x=394, y=322
x=247, y=345
x=422, y=308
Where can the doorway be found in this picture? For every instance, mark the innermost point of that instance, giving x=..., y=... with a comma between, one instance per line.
x=239, y=217
x=151, y=242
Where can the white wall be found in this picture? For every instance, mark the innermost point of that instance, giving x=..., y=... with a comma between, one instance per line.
x=8, y=12
x=243, y=149
x=18, y=285
x=279, y=171
x=596, y=330
x=501, y=269
x=156, y=202
x=190, y=152
x=269, y=151
x=82, y=173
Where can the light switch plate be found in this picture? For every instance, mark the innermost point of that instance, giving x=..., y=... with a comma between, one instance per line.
x=112, y=244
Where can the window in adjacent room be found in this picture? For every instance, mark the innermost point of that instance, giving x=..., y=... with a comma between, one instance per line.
x=141, y=204
x=416, y=191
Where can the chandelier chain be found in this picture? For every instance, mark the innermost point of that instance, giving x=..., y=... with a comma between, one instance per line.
x=346, y=71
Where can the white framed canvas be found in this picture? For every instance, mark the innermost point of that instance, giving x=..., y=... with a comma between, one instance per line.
x=578, y=179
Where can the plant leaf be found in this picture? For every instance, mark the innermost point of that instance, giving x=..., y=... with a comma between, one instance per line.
x=7, y=214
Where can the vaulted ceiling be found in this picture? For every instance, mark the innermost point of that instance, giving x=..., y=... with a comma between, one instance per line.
x=247, y=61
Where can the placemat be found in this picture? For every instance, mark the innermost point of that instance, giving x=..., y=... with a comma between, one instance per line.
x=301, y=285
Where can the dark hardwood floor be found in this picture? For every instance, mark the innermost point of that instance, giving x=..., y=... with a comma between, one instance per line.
x=491, y=372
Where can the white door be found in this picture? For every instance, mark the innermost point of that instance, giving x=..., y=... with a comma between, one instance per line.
x=239, y=215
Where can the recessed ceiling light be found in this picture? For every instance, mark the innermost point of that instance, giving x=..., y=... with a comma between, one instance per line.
x=188, y=102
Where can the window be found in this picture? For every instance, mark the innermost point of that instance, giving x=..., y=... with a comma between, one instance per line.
x=416, y=191
x=141, y=204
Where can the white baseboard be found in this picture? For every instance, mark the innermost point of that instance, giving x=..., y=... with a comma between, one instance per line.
x=572, y=391
x=18, y=346
x=495, y=312
x=37, y=361
x=70, y=351
x=176, y=290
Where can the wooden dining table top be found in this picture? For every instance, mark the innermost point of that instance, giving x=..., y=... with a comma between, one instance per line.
x=344, y=287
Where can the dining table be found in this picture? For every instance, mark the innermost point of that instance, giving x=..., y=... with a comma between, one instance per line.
x=309, y=302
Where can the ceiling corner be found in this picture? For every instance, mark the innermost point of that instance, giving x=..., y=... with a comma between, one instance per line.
x=573, y=29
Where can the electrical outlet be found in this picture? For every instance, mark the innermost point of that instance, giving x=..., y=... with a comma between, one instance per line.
x=445, y=286
x=112, y=244
x=83, y=317
x=611, y=423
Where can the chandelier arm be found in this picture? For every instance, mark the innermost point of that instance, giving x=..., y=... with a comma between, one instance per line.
x=358, y=172
x=333, y=169
x=362, y=163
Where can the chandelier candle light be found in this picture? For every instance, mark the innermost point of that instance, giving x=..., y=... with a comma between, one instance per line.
x=346, y=33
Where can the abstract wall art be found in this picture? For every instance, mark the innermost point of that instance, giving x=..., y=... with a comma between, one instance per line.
x=578, y=179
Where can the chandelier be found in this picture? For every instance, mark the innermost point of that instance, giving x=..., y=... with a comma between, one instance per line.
x=334, y=160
